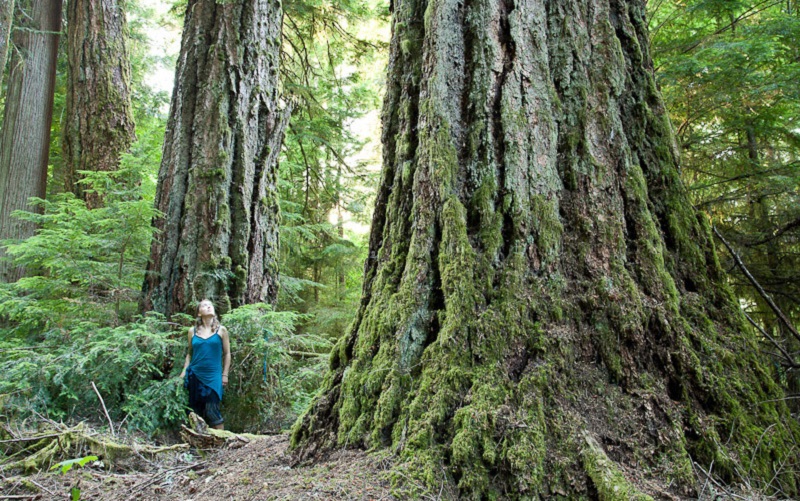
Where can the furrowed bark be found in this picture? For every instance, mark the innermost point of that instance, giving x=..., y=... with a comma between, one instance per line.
x=25, y=137
x=537, y=281
x=218, y=237
x=99, y=120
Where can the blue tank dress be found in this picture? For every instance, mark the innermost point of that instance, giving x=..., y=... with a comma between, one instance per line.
x=204, y=377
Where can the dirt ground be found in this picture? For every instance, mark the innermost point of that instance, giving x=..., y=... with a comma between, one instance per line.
x=259, y=470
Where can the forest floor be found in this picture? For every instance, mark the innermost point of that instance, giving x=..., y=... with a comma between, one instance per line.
x=259, y=470
x=231, y=468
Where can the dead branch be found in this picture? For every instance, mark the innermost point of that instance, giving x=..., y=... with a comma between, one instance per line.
x=767, y=298
x=105, y=411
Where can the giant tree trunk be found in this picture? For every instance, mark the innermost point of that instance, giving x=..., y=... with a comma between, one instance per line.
x=218, y=238
x=25, y=137
x=99, y=120
x=6, y=24
x=537, y=282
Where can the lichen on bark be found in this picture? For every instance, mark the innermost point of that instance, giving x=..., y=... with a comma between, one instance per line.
x=537, y=275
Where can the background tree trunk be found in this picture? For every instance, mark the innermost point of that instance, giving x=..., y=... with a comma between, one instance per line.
x=538, y=283
x=6, y=24
x=217, y=184
x=99, y=121
x=25, y=138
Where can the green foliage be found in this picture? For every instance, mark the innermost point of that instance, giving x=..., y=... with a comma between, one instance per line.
x=328, y=170
x=87, y=264
x=273, y=375
x=274, y=371
x=71, y=320
x=67, y=465
x=728, y=72
x=128, y=363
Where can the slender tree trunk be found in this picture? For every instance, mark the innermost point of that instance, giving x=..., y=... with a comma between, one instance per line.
x=340, y=274
x=6, y=24
x=217, y=184
x=99, y=121
x=25, y=137
x=542, y=308
x=315, y=274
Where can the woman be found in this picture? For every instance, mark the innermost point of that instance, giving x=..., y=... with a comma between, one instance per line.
x=205, y=371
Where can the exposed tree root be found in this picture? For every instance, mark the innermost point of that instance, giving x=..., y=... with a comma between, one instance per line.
x=610, y=483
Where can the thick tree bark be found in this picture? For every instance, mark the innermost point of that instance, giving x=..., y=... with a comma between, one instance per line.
x=6, y=24
x=25, y=137
x=99, y=121
x=217, y=185
x=537, y=282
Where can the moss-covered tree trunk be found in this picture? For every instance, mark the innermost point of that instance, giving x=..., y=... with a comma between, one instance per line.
x=25, y=136
x=218, y=237
x=98, y=126
x=543, y=312
x=6, y=23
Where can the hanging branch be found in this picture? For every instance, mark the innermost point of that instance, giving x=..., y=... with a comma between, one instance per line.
x=757, y=286
x=794, y=224
x=790, y=363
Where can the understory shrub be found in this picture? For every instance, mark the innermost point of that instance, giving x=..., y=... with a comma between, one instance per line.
x=275, y=369
x=129, y=365
x=273, y=374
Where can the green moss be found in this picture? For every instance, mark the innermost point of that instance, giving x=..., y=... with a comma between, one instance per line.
x=609, y=481
x=547, y=227
x=428, y=15
x=607, y=343
x=406, y=46
x=212, y=173
x=490, y=233
x=28, y=485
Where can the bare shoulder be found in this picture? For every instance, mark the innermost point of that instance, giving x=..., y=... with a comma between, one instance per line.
x=191, y=333
x=223, y=331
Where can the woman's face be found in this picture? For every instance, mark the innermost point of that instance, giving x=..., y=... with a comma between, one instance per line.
x=205, y=308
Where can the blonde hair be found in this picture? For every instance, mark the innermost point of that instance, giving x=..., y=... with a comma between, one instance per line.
x=199, y=323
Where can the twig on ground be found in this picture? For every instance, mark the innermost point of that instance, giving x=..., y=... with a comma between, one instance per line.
x=48, y=420
x=758, y=444
x=110, y=423
x=705, y=484
x=139, y=454
x=30, y=439
x=717, y=484
x=37, y=484
x=8, y=430
x=136, y=488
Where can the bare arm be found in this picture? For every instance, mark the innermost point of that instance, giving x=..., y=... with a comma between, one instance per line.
x=226, y=354
x=188, y=353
